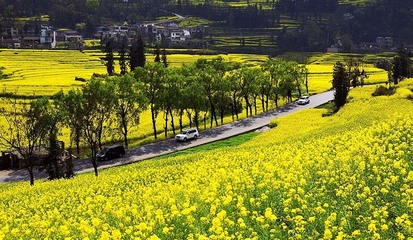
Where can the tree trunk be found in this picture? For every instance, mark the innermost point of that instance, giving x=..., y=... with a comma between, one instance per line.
x=255, y=105
x=222, y=115
x=30, y=169
x=196, y=120
x=266, y=102
x=232, y=112
x=94, y=160
x=262, y=103
x=246, y=105
x=125, y=132
x=100, y=136
x=204, y=121
x=125, y=138
x=77, y=140
x=181, y=113
x=190, y=119
x=306, y=81
x=234, y=106
x=153, y=121
x=172, y=122
x=166, y=122
x=215, y=117
x=95, y=165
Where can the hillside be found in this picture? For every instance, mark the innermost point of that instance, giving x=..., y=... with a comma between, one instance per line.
x=256, y=26
x=344, y=176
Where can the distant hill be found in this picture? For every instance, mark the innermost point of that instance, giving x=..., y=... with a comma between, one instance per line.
x=247, y=25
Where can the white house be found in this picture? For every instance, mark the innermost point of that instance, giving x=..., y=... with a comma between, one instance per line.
x=46, y=34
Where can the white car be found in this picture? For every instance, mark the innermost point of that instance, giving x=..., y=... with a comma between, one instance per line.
x=303, y=100
x=191, y=133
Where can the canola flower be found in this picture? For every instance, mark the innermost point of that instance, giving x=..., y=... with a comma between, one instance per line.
x=351, y=180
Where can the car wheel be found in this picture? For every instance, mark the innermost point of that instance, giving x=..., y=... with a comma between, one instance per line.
x=196, y=137
x=184, y=139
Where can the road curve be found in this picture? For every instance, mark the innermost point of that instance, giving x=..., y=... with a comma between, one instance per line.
x=168, y=146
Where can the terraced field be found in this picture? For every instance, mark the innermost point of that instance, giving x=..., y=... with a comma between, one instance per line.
x=45, y=72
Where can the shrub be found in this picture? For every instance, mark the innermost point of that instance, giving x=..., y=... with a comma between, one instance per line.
x=272, y=124
x=382, y=91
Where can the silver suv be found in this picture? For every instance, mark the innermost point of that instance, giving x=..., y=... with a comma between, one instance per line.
x=303, y=100
x=191, y=133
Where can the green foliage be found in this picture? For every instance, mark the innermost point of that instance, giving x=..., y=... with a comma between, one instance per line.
x=109, y=62
x=123, y=57
x=137, y=54
x=157, y=53
x=402, y=66
x=96, y=107
x=341, y=85
x=130, y=102
x=272, y=124
x=222, y=144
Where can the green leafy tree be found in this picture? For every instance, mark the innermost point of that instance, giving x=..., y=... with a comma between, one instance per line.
x=402, y=66
x=292, y=78
x=151, y=76
x=209, y=73
x=97, y=105
x=57, y=166
x=192, y=99
x=137, y=54
x=130, y=101
x=109, y=62
x=164, y=59
x=341, y=85
x=157, y=53
x=71, y=104
x=222, y=97
x=123, y=55
x=274, y=72
x=171, y=95
x=246, y=78
x=234, y=91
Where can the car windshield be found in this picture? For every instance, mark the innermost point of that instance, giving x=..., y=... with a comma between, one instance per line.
x=184, y=132
x=303, y=98
x=104, y=150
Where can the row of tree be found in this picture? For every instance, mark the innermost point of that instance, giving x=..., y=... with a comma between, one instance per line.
x=132, y=57
x=204, y=91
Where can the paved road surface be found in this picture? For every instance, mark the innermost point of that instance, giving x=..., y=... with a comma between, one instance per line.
x=169, y=146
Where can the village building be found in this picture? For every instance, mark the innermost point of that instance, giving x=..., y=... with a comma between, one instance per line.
x=168, y=33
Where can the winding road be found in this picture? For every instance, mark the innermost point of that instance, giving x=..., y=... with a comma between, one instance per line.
x=168, y=146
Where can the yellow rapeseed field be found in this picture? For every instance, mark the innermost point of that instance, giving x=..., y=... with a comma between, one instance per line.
x=346, y=176
x=321, y=65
